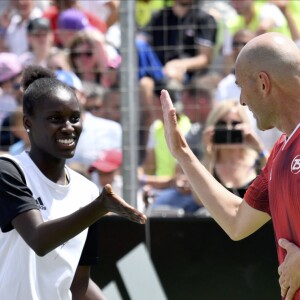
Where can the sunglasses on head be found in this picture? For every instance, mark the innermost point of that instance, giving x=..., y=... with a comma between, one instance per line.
x=79, y=54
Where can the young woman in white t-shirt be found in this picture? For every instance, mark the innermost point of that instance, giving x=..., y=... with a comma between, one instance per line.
x=45, y=207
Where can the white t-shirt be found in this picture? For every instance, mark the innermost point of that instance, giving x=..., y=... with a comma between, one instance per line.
x=23, y=274
x=16, y=34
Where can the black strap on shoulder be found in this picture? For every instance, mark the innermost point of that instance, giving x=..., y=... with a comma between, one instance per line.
x=16, y=166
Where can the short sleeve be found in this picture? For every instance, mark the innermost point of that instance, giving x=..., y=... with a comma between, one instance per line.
x=15, y=196
x=257, y=195
x=207, y=30
x=90, y=253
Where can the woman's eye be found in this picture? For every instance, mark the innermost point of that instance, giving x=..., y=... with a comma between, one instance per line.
x=75, y=119
x=54, y=118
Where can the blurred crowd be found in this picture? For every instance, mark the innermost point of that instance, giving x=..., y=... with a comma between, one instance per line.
x=186, y=46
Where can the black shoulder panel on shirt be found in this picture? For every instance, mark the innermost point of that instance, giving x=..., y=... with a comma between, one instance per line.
x=16, y=166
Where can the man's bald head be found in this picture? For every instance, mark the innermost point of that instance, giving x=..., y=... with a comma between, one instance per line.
x=272, y=53
x=268, y=73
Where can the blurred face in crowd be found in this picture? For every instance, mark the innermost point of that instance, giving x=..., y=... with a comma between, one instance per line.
x=106, y=177
x=112, y=107
x=110, y=77
x=196, y=108
x=182, y=7
x=94, y=105
x=242, y=7
x=58, y=61
x=83, y=57
x=40, y=41
x=240, y=39
x=13, y=87
x=24, y=7
x=64, y=4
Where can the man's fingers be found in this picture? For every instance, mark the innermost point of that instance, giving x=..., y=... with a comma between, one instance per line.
x=290, y=293
x=166, y=103
x=285, y=244
x=166, y=99
x=283, y=291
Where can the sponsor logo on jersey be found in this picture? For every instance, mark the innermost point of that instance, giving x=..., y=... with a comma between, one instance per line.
x=295, y=166
x=40, y=204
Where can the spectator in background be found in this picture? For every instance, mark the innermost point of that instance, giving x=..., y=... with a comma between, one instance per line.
x=111, y=77
x=291, y=11
x=144, y=9
x=108, y=11
x=233, y=159
x=40, y=39
x=176, y=45
x=88, y=56
x=227, y=88
x=16, y=32
x=98, y=134
x=197, y=103
x=69, y=22
x=10, y=94
x=94, y=99
x=183, y=37
x=58, y=60
x=17, y=128
x=257, y=16
x=58, y=6
x=106, y=170
x=112, y=105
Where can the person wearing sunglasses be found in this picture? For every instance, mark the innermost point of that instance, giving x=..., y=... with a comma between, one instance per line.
x=89, y=55
x=233, y=152
x=41, y=42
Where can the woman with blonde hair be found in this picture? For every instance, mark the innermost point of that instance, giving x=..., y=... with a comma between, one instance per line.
x=233, y=152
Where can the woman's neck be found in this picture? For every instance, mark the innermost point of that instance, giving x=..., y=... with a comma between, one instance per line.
x=53, y=169
x=234, y=168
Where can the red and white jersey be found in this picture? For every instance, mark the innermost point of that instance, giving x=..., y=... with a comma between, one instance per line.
x=276, y=190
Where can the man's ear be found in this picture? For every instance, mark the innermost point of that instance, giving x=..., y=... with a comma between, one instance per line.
x=264, y=82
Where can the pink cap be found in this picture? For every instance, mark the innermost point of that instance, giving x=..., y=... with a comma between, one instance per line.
x=10, y=66
x=109, y=160
x=115, y=62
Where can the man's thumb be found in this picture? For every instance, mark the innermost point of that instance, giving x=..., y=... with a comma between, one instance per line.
x=283, y=243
